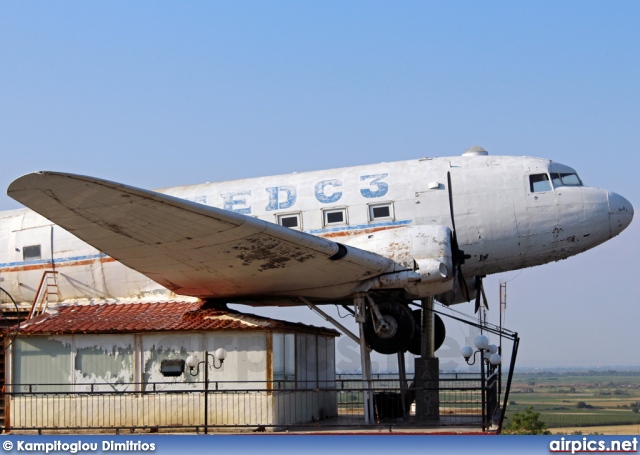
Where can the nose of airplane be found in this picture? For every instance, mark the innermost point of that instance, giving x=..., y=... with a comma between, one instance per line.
x=620, y=213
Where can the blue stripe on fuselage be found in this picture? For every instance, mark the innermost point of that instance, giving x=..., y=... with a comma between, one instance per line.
x=56, y=260
x=62, y=261
x=358, y=227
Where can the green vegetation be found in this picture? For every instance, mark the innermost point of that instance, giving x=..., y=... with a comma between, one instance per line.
x=576, y=399
x=527, y=422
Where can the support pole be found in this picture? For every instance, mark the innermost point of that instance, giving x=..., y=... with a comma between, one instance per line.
x=514, y=354
x=427, y=346
x=427, y=368
x=206, y=392
x=403, y=383
x=328, y=318
x=483, y=384
x=365, y=359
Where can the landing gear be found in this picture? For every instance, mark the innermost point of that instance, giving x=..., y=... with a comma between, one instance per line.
x=391, y=333
x=438, y=335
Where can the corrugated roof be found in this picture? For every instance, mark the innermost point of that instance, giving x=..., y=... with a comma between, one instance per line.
x=153, y=317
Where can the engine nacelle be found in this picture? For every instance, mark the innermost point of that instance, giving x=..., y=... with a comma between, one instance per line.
x=425, y=251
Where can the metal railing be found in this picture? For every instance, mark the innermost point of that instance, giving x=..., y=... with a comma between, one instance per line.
x=275, y=405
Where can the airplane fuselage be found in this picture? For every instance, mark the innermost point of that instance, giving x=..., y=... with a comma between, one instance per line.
x=510, y=213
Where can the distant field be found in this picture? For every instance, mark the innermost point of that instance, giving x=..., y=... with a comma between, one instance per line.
x=587, y=401
x=615, y=429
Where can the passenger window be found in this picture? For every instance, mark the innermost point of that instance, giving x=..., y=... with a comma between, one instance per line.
x=380, y=211
x=198, y=199
x=539, y=183
x=292, y=221
x=335, y=216
x=30, y=253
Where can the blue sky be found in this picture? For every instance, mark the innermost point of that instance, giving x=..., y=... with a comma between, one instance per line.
x=159, y=93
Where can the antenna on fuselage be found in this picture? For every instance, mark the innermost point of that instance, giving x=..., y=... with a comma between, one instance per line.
x=479, y=292
x=476, y=150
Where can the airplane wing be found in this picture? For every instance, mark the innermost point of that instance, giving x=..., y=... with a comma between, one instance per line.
x=193, y=249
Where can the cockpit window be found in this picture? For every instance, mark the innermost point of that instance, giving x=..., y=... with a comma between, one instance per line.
x=539, y=183
x=566, y=179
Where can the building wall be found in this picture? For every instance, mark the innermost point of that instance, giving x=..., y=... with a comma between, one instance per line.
x=246, y=360
x=175, y=410
x=143, y=409
x=72, y=361
x=241, y=392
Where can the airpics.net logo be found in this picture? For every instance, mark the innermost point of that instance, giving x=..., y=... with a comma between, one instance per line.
x=591, y=445
x=78, y=446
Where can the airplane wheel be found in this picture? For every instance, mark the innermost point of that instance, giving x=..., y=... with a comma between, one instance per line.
x=438, y=337
x=400, y=329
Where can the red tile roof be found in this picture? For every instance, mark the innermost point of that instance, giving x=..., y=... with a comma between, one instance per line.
x=154, y=317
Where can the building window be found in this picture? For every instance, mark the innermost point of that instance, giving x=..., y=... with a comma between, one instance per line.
x=30, y=253
x=307, y=364
x=106, y=360
x=381, y=211
x=284, y=360
x=291, y=220
x=334, y=216
x=326, y=362
x=43, y=362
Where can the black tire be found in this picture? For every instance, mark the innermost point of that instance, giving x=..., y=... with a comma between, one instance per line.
x=438, y=337
x=398, y=341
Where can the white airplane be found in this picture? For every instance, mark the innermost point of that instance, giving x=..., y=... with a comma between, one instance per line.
x=387, y=234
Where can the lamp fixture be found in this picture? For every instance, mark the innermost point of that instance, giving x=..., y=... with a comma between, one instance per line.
x=488, y=352
x=194, y=363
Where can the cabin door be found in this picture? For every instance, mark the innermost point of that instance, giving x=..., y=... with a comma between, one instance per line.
x=32, y=256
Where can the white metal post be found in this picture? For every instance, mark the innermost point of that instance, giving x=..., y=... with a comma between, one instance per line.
x=365, y=359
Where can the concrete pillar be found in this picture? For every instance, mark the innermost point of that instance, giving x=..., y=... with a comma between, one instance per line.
x=427, y=395
x=427, y=369
x=427, y=343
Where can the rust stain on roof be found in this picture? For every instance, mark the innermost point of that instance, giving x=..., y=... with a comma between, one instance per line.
x=155, y=317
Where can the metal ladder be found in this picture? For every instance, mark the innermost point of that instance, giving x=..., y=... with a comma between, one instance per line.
x=47, y=293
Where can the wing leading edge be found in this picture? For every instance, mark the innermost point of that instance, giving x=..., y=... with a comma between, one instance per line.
x=193, y=249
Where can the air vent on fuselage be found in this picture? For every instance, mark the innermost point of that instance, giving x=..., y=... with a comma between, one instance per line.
x=475, y=151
